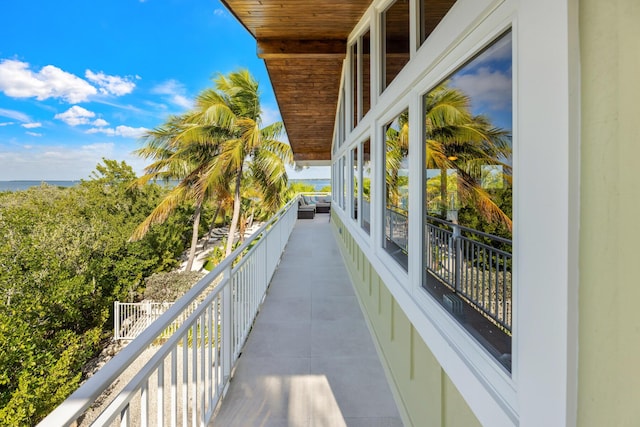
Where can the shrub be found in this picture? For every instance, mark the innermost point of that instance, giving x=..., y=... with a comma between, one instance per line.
x=168, y=287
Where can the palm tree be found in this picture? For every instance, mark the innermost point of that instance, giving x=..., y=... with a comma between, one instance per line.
x=177, y=158
x=206, y=150
x=456, y=140
x=397, y=149
x=233, y=113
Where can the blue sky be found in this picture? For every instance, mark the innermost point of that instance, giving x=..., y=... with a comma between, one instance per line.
x=81, y=80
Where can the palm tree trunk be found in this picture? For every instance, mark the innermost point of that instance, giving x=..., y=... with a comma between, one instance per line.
x=194, y=236
x=236, y=213
x=444, y=203
x=213, y=225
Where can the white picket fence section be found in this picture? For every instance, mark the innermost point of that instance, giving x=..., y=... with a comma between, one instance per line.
x=131, y=318
x=189, y=373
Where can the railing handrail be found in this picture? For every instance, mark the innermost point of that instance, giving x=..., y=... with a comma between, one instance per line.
x=80, y=400
x=469, y=230
x=398, y=210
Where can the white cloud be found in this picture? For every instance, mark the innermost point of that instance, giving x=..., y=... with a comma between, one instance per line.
x=31, y=125
x=33, y=133
x=15, y=115
x=182, y=101
x=175, y=93
x=123, y=131
x=7, y=124
x=106, y=131
x=487, y=87
x=219, y=12
x=129, y=132
x=75, y=116
x=270, y=115
x=111, y=85
x=18, y=81
x=100, y=122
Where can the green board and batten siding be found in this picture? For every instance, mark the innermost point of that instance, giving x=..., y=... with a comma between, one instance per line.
x=425, y=395
x=609, y=291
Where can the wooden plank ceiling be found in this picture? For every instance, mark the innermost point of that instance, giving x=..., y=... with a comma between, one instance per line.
x=303, y=44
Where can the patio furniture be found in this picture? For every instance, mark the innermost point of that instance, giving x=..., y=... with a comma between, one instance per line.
x=323, y=204
x=306, y=210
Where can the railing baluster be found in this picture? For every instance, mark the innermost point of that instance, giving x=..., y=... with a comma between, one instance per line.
x=194, y=374
x=203, y=323
x=185, y=379
x=160, y=396
x=124, y=417
x=174, y=387
x=144, y=404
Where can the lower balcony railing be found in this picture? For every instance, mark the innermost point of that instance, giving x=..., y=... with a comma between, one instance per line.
x=189, y=370
x=469, y=273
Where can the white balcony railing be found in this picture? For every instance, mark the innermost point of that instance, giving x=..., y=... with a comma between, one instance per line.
x=187, y=375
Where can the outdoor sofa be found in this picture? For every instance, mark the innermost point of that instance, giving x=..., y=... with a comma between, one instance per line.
x=306, y=209
x=323, y=204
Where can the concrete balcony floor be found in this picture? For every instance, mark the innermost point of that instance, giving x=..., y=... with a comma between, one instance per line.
x=310, y=359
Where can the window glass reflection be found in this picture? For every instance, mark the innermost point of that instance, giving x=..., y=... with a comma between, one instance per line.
x=396, y=213
x=468, y=192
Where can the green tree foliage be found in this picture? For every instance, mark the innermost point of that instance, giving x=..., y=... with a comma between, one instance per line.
x=64, y=259
x=170, y=286
x=296, y=187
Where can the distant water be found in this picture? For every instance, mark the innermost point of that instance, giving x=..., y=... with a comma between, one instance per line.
x=25, y=185
x=318, y=184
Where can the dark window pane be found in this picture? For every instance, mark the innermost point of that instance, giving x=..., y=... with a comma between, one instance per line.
x=366, y=73
x=354, y=82
x=431, y=13
x=395, y=23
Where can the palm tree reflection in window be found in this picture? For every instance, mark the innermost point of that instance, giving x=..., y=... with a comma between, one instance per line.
x=396, y=224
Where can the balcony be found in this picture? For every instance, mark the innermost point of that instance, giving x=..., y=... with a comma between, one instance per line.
x=275, y=340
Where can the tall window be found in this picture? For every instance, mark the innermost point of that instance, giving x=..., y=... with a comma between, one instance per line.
x=395, y=41
x=366, y=186
x=355, y=82
x=354, y=180
x=396, y=214
x=361, y=77
x=468, y=194
x=431, y=13
x=345, y=177
x=365, y=91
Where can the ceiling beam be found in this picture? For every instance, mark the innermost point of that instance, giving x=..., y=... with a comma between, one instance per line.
x=312, y=156
x=286, y=48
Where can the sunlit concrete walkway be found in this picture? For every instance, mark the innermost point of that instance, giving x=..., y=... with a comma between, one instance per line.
x=309, y=360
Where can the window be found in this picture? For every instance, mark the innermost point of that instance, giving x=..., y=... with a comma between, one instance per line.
x=468, y=196
x=365, y=91
x=396, y=211
x=354, y=179
x=366, y=185
x=431, y=13
x=361, y=77
x=355, y=81
x=345, y=176
x=395, y=40
x=341, y=120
